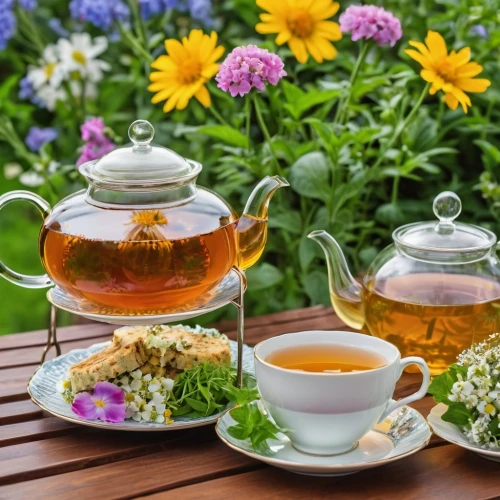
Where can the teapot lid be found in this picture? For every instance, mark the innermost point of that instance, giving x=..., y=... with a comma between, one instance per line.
x=445, y=240
x=141, y=165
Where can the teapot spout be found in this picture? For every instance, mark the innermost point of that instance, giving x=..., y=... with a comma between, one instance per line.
x=345, y=291
x=252, y=225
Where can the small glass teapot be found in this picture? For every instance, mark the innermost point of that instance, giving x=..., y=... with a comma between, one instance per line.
x=143, y=236
x=432, y=293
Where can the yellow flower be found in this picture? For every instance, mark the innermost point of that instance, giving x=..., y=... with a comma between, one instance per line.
x=303, y=25
x=450, y=72
x=183, y=72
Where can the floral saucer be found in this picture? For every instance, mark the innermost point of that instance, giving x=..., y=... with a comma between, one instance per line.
x=401, y=434
x=42, y=389
x=450, y=432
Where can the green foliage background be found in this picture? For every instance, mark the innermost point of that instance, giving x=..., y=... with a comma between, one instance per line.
x=332, y=184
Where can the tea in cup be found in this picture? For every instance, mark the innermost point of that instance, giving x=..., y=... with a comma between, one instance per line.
x=330, y=388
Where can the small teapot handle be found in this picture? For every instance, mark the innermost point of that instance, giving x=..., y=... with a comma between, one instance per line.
x=10, y=275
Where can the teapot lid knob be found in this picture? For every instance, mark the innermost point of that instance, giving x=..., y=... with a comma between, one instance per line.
x=141, y=133
x=447, y=207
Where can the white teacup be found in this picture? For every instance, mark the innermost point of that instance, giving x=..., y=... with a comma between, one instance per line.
x=327, y=413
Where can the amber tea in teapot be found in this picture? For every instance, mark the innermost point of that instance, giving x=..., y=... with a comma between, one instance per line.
x=144, y=238
x=432, y=293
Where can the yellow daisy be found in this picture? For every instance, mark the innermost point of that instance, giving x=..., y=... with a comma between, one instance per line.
x=450, y=72
x=183, y=72
x=303, y=25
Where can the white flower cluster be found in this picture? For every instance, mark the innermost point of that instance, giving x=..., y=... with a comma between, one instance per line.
x=73, y=61
x=146, y=396
x=479, y=390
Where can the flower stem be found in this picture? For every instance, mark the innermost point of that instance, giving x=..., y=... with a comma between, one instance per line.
x=265, y=131
x=343, y=108
x=248, y=112
x=134, y=44
x=140, y=29
x=30, y=29
x=402, y=126
x=218, y=116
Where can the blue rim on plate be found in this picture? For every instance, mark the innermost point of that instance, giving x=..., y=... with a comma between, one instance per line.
x=42, y=389
x=401, y=434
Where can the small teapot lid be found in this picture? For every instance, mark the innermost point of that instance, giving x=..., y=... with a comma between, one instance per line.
x=141, y=165
x=445, y=240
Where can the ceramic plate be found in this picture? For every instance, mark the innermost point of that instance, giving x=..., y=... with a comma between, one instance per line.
x=451, y=433
x=227, y=291
x=401, y=434
x=42, y=389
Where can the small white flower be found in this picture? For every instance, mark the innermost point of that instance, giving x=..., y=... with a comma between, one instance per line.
x=133, y=407
x=137, y=417
x=63, y=385
x=148, y=407
x=137, y=374
x=158, y=399
x=124, y=380
x=179, y=346
x=135, y=385
x=130, y=412
x=147, y=378
x=79, y=54
x=50, y=72
x=160, y=419
x=138, y=399
x=160, y=408
x=168, y=384
x=154, y=386
x=146, y=415
x=12, y=170
x=31, y=179
x=50, y=95
x=126, y=388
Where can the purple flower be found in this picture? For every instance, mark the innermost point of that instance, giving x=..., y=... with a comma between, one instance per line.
x=7, y=22
x=369, y=21
x=37, y=137
x=56, y=26
x=480, y=30
x=106, y=403
x=248, y=67
x=200, y=10
x=26, y=92
x=97, y=144
x=100, y=13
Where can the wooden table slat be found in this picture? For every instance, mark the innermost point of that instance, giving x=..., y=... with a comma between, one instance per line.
x=19, y=411
x=447, y=472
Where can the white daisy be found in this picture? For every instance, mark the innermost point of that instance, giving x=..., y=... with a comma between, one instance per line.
x=50, y=95
x=79, y=54
x=31, y=179
x=50, y=72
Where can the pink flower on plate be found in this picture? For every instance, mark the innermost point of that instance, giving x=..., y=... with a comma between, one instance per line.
x=247, y=67
x=370, y=21
x=107, y=403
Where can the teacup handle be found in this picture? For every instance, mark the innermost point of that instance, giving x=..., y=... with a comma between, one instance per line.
x=7, y=273
x=412, y=360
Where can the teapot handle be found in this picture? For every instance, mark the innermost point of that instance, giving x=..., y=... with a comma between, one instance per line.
x=10, y=275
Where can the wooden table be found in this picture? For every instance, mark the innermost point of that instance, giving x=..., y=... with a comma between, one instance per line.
x=44, y=457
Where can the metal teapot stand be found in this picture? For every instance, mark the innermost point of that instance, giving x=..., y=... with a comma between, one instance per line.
x=235, y=297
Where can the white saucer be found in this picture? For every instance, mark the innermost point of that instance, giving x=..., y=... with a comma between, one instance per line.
x=451, y=433
x=401, y=434
x=225, y=292
x=42, y=389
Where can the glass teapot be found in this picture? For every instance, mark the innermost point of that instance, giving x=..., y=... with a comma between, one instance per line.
x=143, y=236
x=432, y=293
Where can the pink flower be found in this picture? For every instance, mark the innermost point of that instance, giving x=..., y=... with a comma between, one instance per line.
x=97, y=143
x=106, y=403
x=248, y=67
x=369, y=21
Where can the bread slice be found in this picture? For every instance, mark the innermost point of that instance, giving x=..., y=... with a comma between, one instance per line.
x=112, y=361
x=161, y=350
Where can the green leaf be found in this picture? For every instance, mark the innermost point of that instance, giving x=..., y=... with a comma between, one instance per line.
x=289, y=221
x=312, y=98
x=197, y=405
x=457, y=414
x=263, y=276
x=441, y=386
x=495, y=427
x=225, y=133
x=388, y=214
x=316, y=286
x=308, y=250
x=310, y=176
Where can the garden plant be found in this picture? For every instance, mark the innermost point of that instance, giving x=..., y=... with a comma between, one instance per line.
x=368, y=110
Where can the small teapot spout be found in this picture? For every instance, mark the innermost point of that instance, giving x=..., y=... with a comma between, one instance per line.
x=345, y=291
x=252, y=225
